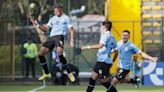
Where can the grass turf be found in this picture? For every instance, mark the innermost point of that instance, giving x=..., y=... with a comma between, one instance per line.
x=77, y=88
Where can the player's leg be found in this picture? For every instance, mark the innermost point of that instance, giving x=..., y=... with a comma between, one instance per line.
x=121, y=74
x=129, y=80
x=59, y=44
x=112, y=85
x=47, y=46
x=42, y=52
x=105, y=77
x=92, y=82
x=65, y=64
x=95, y=73
x=134, y=81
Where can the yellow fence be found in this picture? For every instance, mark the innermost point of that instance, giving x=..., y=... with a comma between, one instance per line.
x=7, y=48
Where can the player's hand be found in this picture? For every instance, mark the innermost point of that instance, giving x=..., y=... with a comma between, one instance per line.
x=154, y=59
x=85, y=47
x=34, y=22
x=72, y=43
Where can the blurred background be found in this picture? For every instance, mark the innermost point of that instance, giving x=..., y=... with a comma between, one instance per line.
x=144, y=19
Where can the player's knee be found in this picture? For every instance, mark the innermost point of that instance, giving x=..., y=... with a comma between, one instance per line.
x=60, y=50
x=105, y=80
x=94, y=75
x=43, y=51
x=120, y=77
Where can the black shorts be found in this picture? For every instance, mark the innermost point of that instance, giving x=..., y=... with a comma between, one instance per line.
x=121, y=73
x=102, y=68
x=54, y=41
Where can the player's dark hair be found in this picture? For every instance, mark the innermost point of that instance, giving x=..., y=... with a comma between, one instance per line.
x=108, y=25
x=58, y=5
x=126, y=31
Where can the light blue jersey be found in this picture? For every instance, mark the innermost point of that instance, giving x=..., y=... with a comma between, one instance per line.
x=59, y=25
x=125, y=52
x=109, y=43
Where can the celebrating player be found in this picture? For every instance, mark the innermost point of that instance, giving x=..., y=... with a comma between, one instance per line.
x=125, y=50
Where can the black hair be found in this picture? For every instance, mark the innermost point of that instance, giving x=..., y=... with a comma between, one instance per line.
x=108, y=25
x=127, y=31
x=58, y=5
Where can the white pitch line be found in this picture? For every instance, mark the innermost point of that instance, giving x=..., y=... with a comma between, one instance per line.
x=36, y=89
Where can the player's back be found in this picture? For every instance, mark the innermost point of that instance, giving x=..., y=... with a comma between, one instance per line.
x=109, y=42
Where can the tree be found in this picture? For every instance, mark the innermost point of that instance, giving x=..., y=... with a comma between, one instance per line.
x=19, y=9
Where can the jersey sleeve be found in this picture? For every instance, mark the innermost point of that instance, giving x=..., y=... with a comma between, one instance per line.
x=117, y=46
x=103, y=39
x=50, y=23
x=135, y=49
x=69, y=22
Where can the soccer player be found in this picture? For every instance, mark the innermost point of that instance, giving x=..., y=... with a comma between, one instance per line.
x=59, y=24
x=104, y=62
x=125, y=50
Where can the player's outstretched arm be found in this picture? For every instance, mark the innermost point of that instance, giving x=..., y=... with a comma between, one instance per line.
x=146, y=56
x=96, y=46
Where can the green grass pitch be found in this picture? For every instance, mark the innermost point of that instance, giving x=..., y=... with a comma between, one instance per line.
x=76, y=88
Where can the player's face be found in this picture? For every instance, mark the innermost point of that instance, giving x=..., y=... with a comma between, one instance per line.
x=58, y=11
x=125, y=36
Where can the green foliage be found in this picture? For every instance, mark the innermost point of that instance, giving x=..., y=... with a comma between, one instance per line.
x=19, y=9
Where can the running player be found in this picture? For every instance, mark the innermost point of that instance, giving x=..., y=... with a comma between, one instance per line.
x=104, y=62
x=125, y=50
x=59, y=24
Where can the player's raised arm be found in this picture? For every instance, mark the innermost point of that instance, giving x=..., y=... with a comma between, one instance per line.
x=146, y=56
x=43, y=27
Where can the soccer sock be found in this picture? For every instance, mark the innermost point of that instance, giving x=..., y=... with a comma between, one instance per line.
x=132, y=81
x=106, y=84
x=43, y=64
x=62, y=59
x=64, y=62
x=91, y=85
x=111, y=88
